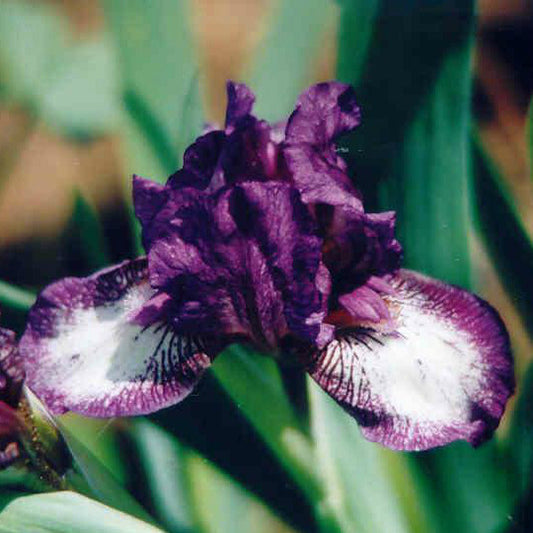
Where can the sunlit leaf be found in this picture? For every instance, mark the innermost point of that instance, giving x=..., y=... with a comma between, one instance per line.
x=283, y=65
x=163, y=464
x=81, y=95
x=101, y=439
x=221, y=431
x=356, y=474
x=159, y=79
x=222, y=506
x=521, y=451
x=64, y=512
x=253, y=383
x=24, y=62
x=71, y=85
x=92, y=478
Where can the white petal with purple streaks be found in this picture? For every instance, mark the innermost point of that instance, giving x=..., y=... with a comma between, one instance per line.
x=86, y=350
x=445, y=373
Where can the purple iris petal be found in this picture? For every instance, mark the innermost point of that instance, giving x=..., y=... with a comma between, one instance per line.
x=358, y=246
x=240, y=103
x=103, y=346
x=245, y=150
x=323, y=113
x=444, y=373
x=366, y=305
x=243, y=261
x=201, y=162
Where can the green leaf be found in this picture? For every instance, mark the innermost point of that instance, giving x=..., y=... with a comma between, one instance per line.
x=283, y=65
x=72, y=86
x=159, y=72
x=355, y=32
x=503, y=231
x=81, y=95
x=32, y=39
x=12, y=297
x=252, y=381
x=521, y=451
x=357, y=475
x=188, y=492
x=84, y=236
x=530, y=136
x=64, y=512
x=222, y=506
x=411, y=152
x=163, y=462
x=218, y=428
x=89, y=476
x=101, y=438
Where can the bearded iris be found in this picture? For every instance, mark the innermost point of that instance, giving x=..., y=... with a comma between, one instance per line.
x=261, y=238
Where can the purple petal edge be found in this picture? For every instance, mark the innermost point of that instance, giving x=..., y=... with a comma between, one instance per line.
x=102, y=346
x=446, y=373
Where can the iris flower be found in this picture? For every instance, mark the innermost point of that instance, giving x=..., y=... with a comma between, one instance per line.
x=262, y=238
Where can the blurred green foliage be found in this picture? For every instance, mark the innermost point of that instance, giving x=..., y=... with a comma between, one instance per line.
x=71, y=85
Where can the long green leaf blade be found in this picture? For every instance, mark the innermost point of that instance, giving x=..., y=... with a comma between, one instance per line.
x=64, y=512
x=283, y=66
x=159, y=75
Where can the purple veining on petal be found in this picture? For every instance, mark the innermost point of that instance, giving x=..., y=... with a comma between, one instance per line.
x=323, y=112
x=104, y=346
x=201, y=162
x=242, y=261
x=148, y=198
x=446, y=372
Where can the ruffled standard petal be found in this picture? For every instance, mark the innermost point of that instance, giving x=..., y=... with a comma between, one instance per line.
x=103, y=346
x=242, y=262
x=323, y=112
x=201, y=162
x=246, y=150
x=240, y=103
x=446, y=372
